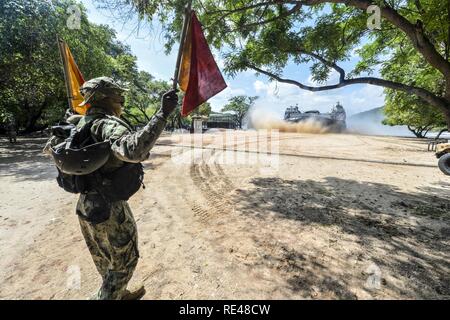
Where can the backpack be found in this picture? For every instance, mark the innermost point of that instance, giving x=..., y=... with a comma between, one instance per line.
x=80, y=159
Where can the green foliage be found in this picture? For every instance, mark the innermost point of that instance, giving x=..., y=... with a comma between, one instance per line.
x=143, y=97
x=239, y=105
x=269, y=35
x=407, y=110
x=203, y=110
x=408, y=67
x=33, y=89
x=176, y=121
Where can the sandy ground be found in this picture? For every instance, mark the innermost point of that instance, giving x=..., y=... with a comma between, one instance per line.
x=329, y=217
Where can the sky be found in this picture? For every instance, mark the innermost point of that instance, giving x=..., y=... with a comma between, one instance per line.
x=274, y=97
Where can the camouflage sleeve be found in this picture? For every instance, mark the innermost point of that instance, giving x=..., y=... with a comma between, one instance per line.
x=132, y=146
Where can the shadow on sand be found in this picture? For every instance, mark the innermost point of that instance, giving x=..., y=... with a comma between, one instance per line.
x=25, y=160
x=405, y=235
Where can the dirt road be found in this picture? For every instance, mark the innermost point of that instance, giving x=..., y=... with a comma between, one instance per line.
x=326, y=217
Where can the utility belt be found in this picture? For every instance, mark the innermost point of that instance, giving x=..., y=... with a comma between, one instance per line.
x=118, y=185
x=103, y=189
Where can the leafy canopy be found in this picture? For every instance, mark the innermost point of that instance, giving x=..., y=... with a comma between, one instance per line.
x=240, y=105
x=33, y=90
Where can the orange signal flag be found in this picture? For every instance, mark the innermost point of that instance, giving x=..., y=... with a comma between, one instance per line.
x=74, y=79
x=199, y=76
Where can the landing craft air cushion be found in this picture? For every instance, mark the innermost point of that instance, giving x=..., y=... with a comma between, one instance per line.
x=334, y=120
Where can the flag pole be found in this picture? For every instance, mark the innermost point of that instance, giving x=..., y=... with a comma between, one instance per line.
x=61, y=46
x=187, y=16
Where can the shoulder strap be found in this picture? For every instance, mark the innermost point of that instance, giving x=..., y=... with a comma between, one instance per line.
x=80, y=136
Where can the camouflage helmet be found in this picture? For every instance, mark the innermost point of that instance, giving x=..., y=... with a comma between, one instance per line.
x=99, y=88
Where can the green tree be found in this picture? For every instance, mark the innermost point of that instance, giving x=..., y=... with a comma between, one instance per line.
x=33, y=89
x=176, y=121
x=265, y=36
x=402, y=108
x=144, y=97
x=407, y=110
x=203, y=110
x=239, y=105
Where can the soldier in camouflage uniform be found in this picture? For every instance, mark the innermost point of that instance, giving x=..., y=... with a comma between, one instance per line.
x=109, y=227
x=12, y=130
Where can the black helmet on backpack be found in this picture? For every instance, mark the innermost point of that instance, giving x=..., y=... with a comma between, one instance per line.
x=80, y=154
x=81, y=161
x=80, y=157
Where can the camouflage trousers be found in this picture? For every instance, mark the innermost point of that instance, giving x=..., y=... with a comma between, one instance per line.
x=112, y=242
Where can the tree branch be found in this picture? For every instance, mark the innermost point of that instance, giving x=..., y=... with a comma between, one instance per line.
x=227, y=12
x=142, y=110
x=415, y=32
x=420, y=92
x=294, y=9
x=419, y=6
x=134, y=117
x=330, y=64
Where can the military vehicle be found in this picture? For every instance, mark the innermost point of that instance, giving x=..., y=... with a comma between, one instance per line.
x=443, y=154
x=334, y=120
x=441, y=148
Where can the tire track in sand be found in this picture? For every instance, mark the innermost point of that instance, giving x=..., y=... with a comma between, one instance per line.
x=215, y=187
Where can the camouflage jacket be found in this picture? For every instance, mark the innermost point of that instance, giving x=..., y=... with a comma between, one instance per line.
x=126, y=145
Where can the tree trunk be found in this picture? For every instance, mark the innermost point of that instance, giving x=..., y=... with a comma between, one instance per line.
x=416, y=131
x=446, y=99
x=31, y=118
x=447, y=119
x=31, y=123
x=240, y=118
x=138, y=121
x=180, y=124
x=440, y=133
x=34, y=114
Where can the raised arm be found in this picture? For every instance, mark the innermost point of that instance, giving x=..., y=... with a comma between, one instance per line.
x=135, y=146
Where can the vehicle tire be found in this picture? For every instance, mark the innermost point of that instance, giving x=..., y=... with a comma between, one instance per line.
x=444, y=164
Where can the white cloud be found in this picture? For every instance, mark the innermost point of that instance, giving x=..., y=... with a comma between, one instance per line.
x=274, y=89
x=222, y=98
x=260, y=86
x=231, y=92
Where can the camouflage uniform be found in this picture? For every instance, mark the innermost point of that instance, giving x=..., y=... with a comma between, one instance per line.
x=113, y=243
x=12, y=132
x=108, y=227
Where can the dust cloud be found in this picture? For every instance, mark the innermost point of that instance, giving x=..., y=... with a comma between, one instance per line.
x=268, y=121
x=373, y=125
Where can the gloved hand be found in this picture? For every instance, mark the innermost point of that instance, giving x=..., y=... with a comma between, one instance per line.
x=169, y=102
